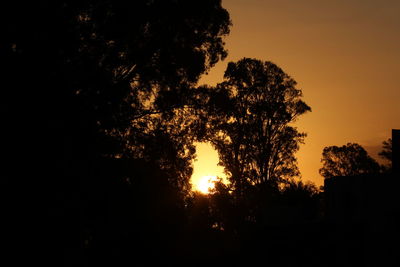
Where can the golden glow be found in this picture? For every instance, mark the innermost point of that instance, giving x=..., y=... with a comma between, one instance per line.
x=206, y=184
x=344, y=56
x=206, y=169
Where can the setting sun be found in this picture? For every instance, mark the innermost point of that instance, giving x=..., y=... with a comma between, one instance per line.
x=206, y=183
x=206, y=169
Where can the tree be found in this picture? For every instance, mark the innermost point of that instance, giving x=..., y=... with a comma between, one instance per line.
x=253, y=130
x=78, y=73
x=347, y=160
x=386, y=154
x=100, y=65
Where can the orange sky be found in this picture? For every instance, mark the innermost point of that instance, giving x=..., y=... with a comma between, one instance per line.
x=345, y=56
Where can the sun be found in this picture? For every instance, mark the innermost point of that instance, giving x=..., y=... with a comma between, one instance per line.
x=206, y=183
x=206, y=169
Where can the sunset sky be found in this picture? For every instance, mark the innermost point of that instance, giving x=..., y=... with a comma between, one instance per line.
x=345, y=56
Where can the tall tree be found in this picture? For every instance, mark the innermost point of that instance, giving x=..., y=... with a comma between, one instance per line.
x=78, y=72
x=106, y=60
x=252, y=127
x=347, y=160
x=99, y=66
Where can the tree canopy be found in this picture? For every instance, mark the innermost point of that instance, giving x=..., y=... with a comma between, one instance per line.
x=102, y=106
x=252, y=127
x=386, y=154
x=87, y=70
x=91, y=91
x=348, y=160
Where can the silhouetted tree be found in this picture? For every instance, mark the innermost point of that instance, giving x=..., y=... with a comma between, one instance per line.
x=347, y=160
x=386, y=154
x=110, y=61
x=251, y=130
x=223, y=208
x=167, y=141
x=79, y=78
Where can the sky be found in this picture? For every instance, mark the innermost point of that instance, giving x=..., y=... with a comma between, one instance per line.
x=344, y=55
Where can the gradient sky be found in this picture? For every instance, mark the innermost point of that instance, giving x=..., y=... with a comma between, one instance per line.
x=345, y=56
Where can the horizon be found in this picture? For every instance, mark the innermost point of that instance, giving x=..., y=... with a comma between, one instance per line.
x=344, y=56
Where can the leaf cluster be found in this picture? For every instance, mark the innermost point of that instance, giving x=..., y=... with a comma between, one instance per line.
x=348, y=160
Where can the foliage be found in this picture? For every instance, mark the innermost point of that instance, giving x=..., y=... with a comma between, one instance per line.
x=90, y=85
x=99, y=99
x=347, y=160
x=102, y=66
x=252, y=130
x=386, y=154
x=167, y=141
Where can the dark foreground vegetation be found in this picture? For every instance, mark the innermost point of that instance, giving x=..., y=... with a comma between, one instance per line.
x=100, y=113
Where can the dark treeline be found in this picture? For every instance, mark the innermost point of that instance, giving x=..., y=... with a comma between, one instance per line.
x=101, y=110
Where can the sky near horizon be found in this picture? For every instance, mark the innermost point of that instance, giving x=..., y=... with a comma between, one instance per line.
x=344, y=55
